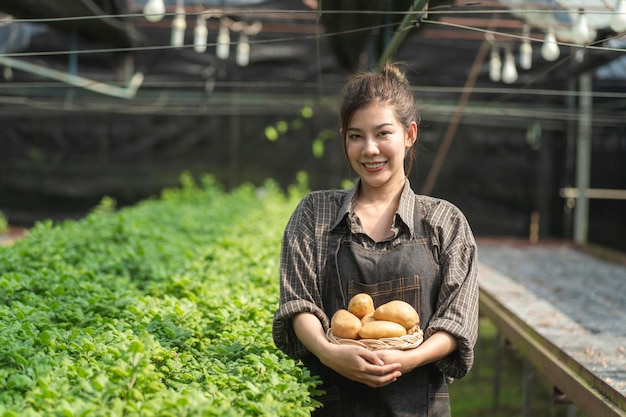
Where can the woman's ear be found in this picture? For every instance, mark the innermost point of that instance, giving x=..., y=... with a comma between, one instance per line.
x=411, y=134
x=341, y=132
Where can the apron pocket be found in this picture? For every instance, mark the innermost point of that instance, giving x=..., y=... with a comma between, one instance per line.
x=405, y=289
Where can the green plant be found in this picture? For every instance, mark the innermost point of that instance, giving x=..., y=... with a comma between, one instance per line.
x=163, y=308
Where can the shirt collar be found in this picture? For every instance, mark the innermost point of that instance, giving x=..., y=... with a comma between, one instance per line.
x=347, y=205
x=406, y=208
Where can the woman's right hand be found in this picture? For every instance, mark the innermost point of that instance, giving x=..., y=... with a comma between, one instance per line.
x=359, y=364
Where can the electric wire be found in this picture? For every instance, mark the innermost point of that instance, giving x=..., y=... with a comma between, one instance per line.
x=300, y=38
x=318, y=36
x=440, y=10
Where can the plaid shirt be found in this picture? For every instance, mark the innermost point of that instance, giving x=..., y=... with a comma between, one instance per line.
x=305, y=247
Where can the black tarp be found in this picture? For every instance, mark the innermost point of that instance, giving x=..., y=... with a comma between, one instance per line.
x=63, y=148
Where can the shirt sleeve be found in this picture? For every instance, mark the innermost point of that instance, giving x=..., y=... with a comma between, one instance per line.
x=457, y=304
x=299, y=290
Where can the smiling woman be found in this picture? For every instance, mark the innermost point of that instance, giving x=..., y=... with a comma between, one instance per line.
x=383, y=240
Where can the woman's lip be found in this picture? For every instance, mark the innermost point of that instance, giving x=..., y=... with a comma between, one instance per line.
x=373, y=166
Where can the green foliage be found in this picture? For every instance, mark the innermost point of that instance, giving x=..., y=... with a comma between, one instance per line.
x=160, y=309
x=318, y=146
x=272, y=133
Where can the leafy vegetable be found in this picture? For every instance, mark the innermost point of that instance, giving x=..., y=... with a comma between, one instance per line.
x=160, y=309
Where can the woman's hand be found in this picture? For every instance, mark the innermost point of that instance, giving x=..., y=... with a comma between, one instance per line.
x=437, y=346
x=360, y=365
x=404, y=358
x=353, y=362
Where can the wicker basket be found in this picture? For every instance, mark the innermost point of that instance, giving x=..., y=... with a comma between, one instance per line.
x=409, y=341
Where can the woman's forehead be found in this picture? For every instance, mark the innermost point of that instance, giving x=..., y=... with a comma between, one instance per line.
x=373, y=115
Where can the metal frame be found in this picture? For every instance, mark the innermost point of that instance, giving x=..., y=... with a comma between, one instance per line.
x=590, y=393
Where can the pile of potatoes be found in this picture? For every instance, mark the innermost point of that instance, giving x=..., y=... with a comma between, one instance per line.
x=363, y=321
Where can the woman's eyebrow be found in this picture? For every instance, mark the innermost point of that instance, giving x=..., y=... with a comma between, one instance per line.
x=380, y=126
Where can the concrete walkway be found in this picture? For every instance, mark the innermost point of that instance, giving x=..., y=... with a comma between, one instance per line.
x=573, y=299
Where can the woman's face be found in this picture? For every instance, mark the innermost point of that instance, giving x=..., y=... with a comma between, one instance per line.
x=376, y=144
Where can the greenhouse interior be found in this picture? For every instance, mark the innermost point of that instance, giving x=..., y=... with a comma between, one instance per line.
x=107, y=105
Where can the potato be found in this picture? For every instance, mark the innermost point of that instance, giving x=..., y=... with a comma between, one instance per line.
x=361, y=304
x=367, y=318
x=399, y=312
x=382, y=328
x=345, y=324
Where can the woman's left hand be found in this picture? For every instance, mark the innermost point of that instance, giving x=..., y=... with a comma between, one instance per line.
x=437, y=346
x=403, y=357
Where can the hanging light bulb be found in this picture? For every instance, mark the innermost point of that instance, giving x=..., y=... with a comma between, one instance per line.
x=154, y=10
x=618, y=19
x=550, y=49
x=223, y=42
x=243, y=50
x=525, y=51
x=509, y=72
x=495, y=65
x=179, y=24
x=200, y=34
x=525, y=55
x=580, y=32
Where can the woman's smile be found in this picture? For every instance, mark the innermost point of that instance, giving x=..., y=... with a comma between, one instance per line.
x=374, y=166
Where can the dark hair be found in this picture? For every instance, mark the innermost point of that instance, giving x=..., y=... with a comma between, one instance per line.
x=389, y=87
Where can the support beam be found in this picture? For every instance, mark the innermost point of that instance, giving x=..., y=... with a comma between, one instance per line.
x=127, y=92
x=401, y=32
x=583, y=158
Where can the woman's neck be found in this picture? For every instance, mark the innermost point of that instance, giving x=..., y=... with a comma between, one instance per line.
x=384, y=195
x=376, y=209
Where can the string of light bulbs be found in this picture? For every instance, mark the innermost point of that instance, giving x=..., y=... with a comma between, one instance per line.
x=617, y=13
x=304, y=37
x=155, y=11
x=550, y=48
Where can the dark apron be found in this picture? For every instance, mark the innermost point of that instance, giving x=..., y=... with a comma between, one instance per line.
x=409, y=272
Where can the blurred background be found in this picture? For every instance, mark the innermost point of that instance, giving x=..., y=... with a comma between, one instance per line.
x=523, y=103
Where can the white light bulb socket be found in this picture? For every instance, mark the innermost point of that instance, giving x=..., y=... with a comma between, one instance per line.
x=223, y=42
x=495, y=66
x=200, y=34
x=154, y=10
x=179, y=24
x=243, y=50
x=525, y=55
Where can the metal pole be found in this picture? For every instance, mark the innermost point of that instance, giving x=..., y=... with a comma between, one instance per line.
x=583, y=158
x=497, y=371
x=527, y=384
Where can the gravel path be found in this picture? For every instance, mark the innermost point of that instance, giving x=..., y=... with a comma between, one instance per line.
x=573, y=299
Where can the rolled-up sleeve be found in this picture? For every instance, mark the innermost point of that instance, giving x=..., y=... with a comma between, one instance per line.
x=457, y=305
x=299, y=291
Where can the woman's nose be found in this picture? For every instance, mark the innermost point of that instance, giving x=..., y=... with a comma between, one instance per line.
x=370, y=147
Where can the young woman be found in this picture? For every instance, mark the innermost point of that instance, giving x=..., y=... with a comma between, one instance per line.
x=382, y=239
